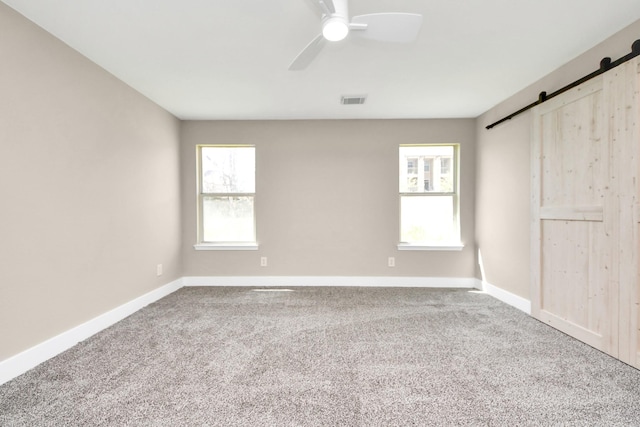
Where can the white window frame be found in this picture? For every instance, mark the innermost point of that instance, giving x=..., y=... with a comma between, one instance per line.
x=455, y=244
x=220, y=245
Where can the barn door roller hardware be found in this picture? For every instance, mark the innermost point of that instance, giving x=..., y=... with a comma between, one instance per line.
x=605, y=65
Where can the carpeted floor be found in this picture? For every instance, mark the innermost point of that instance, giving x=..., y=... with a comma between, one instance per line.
x=326, y=357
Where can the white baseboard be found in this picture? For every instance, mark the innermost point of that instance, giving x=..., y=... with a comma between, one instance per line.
x=28, y=359
x=505, y=296
x=364, y=281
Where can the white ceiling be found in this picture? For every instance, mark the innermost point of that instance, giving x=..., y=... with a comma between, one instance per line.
x=215, y=59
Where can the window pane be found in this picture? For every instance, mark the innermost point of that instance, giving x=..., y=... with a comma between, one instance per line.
x=228, y=219
x=427, y=219
x=427, y=169
x=228, y=169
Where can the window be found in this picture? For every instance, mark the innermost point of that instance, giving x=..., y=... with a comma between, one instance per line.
x=412, y=166
x=427, y=178
x=226, y=193
x=429, y=213
x=445, y=166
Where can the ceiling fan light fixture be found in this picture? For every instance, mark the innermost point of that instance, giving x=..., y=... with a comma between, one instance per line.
x=335, y=28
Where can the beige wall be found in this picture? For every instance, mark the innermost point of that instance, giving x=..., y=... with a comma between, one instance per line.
x=327, y=197
x=503, y=170
x=89, y=187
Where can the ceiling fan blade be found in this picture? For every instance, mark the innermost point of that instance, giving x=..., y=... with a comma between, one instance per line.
x=388, y=27
x=325, y=7
x=329, y=5
x=308, y=54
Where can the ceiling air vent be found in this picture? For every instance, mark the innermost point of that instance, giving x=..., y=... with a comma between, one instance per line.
x=353, y=99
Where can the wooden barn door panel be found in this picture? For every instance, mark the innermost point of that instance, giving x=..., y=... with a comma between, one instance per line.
x=574, y=232
x=573, y=298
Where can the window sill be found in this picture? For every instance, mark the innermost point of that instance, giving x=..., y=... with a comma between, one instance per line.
x=418, y=247
x=226, y=247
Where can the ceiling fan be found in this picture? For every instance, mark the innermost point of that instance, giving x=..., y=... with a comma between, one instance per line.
x=385, y=27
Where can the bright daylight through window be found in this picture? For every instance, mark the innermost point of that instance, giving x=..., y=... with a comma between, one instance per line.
x=429, y=195
x=226, y=193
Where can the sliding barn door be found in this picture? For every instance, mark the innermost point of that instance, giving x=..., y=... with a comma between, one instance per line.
x=585, y=213
x=574, y=232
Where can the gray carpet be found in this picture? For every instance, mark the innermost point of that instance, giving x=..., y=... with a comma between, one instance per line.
x=326, y=357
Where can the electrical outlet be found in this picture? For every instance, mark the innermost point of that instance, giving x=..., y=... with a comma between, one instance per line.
x=263, y=261
x=159, y=269
x=391, y=262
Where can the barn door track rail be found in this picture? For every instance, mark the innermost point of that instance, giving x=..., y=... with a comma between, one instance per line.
x=605, y=65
